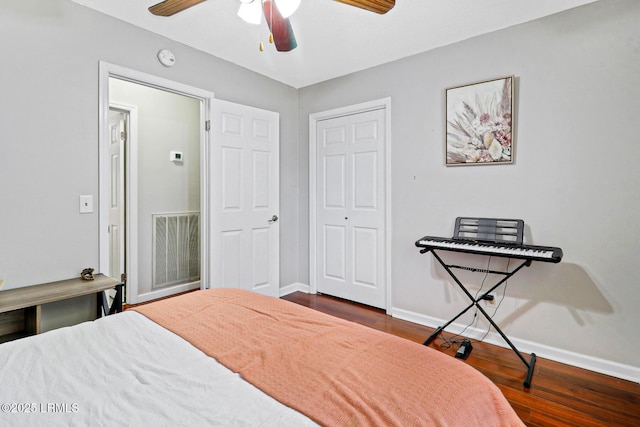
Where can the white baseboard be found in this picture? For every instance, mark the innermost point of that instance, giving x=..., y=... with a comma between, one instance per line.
x=165, y=292
x=294, y=287
x=607, y=367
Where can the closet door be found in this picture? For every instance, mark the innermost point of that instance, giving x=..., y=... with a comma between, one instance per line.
x=350, y=207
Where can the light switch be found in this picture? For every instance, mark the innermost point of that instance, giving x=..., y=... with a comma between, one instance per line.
x=86, y=204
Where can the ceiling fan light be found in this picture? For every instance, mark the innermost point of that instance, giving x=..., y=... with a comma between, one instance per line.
x=251, y=12
x=287, y=7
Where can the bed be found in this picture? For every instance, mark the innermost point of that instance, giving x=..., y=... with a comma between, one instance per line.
x=231, y=357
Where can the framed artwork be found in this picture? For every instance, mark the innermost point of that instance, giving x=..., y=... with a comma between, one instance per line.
x=480, y=123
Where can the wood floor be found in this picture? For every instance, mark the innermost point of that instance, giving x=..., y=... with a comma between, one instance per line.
x=560, y=395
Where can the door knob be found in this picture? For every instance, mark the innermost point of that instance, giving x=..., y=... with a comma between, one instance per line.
x=274, y=218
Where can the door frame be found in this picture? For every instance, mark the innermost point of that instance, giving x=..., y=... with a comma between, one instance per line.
x=107, y=70
x=314, y=118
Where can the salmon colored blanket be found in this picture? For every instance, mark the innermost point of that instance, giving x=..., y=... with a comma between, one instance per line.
x=336, y=372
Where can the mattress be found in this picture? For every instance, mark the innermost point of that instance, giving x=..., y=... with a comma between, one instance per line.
x=122, y=370
x=228, y=357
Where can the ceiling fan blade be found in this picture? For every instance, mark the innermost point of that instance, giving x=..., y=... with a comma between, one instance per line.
x=171, y=7
x=377, y=6
x=280, y=27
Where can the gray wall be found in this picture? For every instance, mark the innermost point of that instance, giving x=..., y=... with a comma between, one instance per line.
x=49, y=139
x=574, y=182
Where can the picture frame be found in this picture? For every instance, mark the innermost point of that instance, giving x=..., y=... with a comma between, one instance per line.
x=479, y=123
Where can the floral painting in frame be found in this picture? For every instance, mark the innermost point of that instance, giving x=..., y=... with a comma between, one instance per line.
x=480, y=123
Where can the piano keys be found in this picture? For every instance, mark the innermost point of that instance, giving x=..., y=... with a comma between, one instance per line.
x=507, y=250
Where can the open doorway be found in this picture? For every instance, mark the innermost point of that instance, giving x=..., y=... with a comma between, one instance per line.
x=153, y=185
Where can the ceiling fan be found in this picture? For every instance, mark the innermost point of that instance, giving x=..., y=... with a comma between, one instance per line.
x=277, y=20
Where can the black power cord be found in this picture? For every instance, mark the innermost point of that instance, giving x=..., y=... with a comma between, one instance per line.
x=448, y=341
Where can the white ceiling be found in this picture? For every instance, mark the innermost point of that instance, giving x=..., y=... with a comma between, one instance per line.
x=333, y=39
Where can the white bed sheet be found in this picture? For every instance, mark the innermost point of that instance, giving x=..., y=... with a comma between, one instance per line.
x=126, y=370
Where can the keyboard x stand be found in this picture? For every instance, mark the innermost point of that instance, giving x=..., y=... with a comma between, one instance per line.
x=475, y=303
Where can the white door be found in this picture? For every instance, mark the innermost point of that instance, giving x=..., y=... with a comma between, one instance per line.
x=116, y=226
x=245, y=198
x=350, y=207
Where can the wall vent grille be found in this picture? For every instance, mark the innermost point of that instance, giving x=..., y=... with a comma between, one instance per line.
x=176, y=249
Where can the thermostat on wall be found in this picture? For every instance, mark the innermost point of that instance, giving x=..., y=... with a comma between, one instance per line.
x=176, y=156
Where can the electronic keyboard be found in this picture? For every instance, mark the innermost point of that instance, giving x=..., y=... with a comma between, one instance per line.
x=508, y=250
x=488, y=236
